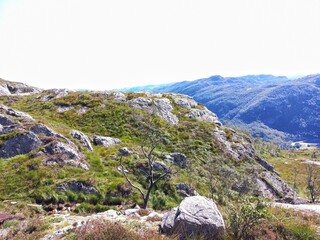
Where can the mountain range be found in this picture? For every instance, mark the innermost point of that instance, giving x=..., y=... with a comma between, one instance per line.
x=271, y=107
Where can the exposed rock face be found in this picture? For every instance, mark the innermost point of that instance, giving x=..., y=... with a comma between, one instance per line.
x=16, y=113
x=233, y=144
x=195, y=216
x=84, y=140
x=120, y=97
x=77, y=186
x=5, y=121
x=64, y=154
x=178, y=159
x=42, y=129
x=273, y=186
x=164, y=108
x=67, y=150
x=56, y=93
x=4, y=90
x=20, y=143
x=161, y=106
x=9, y=88
x=185, y=101
x=203, y=115
x=106, y=141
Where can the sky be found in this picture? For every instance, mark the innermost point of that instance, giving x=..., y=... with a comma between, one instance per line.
x=108, y=44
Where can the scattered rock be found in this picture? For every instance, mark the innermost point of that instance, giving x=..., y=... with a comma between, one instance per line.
x=105, y=141
x=185, y=190
x=178, y=159
x=21, y=143
x=196, y=216
x=84, y=140
x=77, y=186
x=125, y=152
x=64, y=108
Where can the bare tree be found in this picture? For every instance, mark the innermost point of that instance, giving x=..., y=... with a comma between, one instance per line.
x=313, y=181
x=148, y=145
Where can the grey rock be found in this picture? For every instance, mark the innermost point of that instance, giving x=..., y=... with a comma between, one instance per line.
x=84, y=140
x=42, y=129
x=119, y=97
x=106, y=141
x=125, y=152
x=267, y=166
x=77, y=186
x=178, y=159
x=4, y=90
x=159, y=166
x=6, y=129
x=196, y=216
x=5, y=121
x=168, y=221
x=15, y=113
x=274, y=187
x=203, y=115
x=185, y=101
x=63, y=108
x=185, y=190
x=20, y=143
x=164, y=109
x=59, y=148
x=161, y=106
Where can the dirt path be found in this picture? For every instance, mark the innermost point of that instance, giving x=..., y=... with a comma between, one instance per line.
x=303, y=208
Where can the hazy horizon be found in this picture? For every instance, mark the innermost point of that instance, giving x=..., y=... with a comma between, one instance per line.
x=80, y=44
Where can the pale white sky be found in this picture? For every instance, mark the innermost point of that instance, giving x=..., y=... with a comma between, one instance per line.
x=111, y=44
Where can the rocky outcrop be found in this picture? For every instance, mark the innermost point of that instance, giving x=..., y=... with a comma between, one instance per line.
x=15, y=113
x=55, y=93
x=161, y=106
x=16, y=88
x=274, y=187
x=164, y=110
x=196, y=216
x=106, y=141
x=84, y=140
x=42, y=129
x=178, y=159
x=232, y=143
x=185, y=101
x=77, y=186
x=64, y=154
x=5, y=121
x=21, y=143
x=204, y=115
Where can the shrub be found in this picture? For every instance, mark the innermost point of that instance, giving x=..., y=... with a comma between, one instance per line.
x=244, y=217
x=90, y=208
x=104, y=230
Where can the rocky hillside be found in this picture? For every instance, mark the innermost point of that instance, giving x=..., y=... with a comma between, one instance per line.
x=61, y=146
x=272, y=107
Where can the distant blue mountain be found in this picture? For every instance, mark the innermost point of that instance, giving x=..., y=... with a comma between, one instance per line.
x=264, y=103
